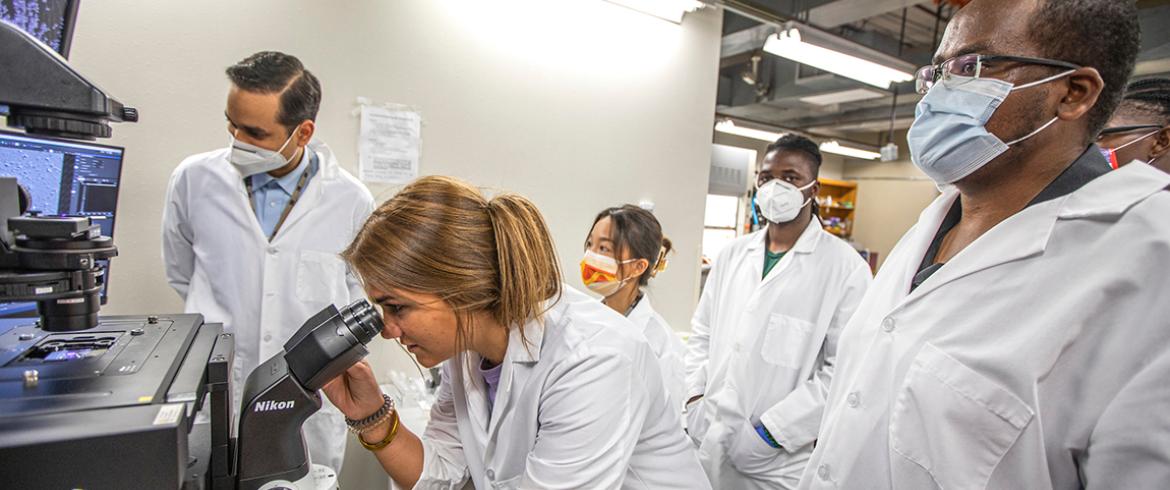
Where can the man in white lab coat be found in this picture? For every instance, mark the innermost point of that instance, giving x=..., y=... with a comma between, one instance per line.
x=764, y=339
x=1018, y=336
x=251, y=232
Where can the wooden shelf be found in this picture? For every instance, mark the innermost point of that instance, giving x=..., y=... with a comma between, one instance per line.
x=831, y=194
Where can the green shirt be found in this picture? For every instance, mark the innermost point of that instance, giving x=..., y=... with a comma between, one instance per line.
x=770, y=261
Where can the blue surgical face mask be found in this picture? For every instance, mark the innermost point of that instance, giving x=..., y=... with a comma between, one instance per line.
x=949, y=139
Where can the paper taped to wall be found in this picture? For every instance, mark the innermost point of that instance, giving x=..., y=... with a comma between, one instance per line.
x=389, y=144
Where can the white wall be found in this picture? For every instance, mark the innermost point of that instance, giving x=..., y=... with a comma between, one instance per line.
x=890, y=196
x=577, y=104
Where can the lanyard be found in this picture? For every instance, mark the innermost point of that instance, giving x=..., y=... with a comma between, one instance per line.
x=287, y=207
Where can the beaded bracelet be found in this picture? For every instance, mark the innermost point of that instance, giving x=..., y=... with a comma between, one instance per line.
x=375, y=424
x=359, y=426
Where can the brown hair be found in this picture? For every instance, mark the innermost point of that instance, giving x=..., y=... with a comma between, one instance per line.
x=637, y=232
x=441, y=236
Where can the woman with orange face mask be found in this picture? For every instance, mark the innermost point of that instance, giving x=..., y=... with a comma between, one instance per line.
x=624, y=249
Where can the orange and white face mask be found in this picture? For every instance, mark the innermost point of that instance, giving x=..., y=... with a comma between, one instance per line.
x=599, y=273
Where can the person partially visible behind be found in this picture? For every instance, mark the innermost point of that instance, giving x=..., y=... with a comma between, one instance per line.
x=626, y=248
x=763, y=349
x=1140, y=128
x=252, y=231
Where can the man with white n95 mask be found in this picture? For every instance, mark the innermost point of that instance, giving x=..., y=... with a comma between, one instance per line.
x=1018, y=336
x=251, y=232
x=764, y=339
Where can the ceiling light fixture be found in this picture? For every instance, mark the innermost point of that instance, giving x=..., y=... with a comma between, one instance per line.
x=796, y=42
x=728, y=126
x=836, y=149
x=843, y=97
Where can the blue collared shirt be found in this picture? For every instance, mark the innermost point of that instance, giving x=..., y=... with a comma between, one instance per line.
x=270, y=194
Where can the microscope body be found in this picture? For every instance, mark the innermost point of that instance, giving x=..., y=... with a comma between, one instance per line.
x=281, y=394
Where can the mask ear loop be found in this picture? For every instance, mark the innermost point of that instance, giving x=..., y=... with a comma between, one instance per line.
x=1137, y=140
x=1054, y=119
x=1034, y=133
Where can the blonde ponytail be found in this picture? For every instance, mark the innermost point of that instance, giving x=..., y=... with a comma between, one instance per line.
x=529, y=274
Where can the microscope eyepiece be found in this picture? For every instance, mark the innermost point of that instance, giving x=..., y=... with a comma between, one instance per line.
x=363, y=320
x=330, y=342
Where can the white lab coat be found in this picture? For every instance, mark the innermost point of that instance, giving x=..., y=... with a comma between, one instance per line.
x=1037, y=357
x=218, y=259
x=581, y=406
x=763, y=351
x=668, y=348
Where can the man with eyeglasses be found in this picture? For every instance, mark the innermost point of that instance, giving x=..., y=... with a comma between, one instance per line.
x=1140, y=128
x=1018, y=336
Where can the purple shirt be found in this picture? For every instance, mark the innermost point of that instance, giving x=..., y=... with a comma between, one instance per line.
x=492, y=378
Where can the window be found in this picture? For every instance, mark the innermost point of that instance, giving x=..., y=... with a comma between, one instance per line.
x=720, y=223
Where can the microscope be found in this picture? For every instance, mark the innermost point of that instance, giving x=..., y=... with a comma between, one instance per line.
x=94, y=402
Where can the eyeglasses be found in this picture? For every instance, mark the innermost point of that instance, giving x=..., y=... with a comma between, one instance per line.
x=1105, y=133
x=972, y=66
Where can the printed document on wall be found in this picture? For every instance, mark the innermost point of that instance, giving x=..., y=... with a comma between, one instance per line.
x=388, y=146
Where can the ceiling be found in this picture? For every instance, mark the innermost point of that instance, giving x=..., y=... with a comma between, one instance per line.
x=906, y=29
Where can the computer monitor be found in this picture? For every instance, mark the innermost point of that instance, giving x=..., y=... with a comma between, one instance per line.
x=51, y=21
x=64, y=178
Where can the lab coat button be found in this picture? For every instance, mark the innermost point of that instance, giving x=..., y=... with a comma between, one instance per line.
x=491, y=474
x=854, y=400
x=823, y=472
x=888, y=325
x=267, y=337
x=271, y=250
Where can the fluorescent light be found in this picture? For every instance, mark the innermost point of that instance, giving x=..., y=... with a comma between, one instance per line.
x=836, y=148
x=788, y=44
x=672, y=10
x=728, y=126
x=843, y=97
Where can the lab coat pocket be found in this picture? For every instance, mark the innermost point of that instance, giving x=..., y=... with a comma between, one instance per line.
x=784, y=341
x=952, y=422
x=751, y=455
x=696, y=421
x=320, y=277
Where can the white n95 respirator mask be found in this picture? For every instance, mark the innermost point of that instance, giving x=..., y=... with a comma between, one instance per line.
x=781, y=201
x=251, y=159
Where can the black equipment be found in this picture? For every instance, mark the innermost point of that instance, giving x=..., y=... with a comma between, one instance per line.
x=114, y=402
x=44, y=95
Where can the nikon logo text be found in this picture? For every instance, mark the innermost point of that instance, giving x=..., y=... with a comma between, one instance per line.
x=270, y=405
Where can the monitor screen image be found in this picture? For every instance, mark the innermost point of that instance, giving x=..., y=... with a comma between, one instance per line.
x=64, y=178
x=51, y=21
